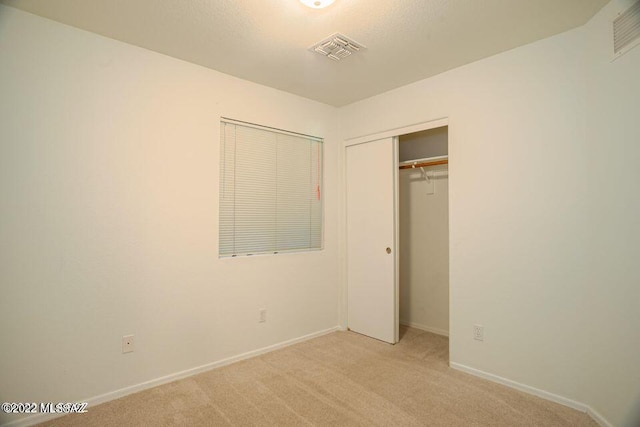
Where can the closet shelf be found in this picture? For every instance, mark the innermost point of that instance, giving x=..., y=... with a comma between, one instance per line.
x=420, y=163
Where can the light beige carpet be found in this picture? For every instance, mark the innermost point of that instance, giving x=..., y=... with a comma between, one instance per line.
x=341, y=379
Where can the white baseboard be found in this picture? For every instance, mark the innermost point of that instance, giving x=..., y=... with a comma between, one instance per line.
x=534, y=391
x=522, y=387
x=598, y=418
x=425, y=328
x=112, y=395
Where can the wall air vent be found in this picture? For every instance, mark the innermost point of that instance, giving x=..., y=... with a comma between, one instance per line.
x=336, y=47
x=626, y=30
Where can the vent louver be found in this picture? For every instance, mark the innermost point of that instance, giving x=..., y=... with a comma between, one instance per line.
x=336, y=47
x=626, y=29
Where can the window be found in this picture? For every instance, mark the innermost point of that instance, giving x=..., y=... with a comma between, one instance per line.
x=270, y=190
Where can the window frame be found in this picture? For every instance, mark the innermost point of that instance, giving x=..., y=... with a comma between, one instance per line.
x=320, y=140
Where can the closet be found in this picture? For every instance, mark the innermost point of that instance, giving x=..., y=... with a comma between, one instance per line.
x=397, y=238
x=423, y=209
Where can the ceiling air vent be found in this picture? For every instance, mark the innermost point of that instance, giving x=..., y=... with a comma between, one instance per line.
x=626, y=30
x=336, y=47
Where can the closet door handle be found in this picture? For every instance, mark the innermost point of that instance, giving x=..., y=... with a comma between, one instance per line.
x=388, y=250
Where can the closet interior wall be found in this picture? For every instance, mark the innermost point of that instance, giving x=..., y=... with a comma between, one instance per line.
x=424, y=233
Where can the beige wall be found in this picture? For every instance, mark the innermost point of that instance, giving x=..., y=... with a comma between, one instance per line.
x=611, y=295
x=109, y=217
x=543, y=150
x=424, y=249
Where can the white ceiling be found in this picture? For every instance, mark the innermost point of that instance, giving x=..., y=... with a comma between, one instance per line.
x=266, y=41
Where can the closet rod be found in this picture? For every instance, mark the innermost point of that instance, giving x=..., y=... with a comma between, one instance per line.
x=423, y=164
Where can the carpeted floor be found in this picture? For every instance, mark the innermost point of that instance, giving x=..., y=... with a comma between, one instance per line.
x=341, y=379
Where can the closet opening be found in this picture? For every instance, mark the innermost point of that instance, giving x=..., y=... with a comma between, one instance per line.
x=423, y=234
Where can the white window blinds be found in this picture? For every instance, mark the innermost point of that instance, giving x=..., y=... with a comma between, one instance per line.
x=270, y=190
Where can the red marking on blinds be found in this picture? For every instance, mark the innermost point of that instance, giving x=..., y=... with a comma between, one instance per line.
x=318, y=178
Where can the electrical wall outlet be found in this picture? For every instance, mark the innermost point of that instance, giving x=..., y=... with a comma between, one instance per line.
x=263, y=315
x=478, y=332
x=127, y=344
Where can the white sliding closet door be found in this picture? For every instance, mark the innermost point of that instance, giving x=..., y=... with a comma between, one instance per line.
x=371, y=246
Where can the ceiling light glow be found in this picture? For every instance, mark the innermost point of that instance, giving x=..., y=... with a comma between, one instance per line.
x=317, y=4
